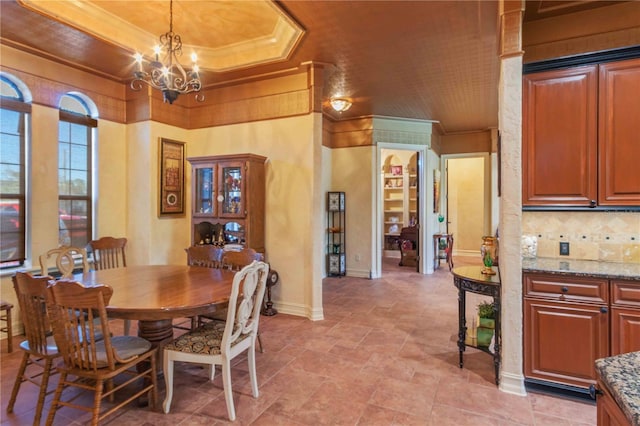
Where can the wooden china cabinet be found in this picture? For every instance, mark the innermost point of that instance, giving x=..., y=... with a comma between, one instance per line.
x=228, y=200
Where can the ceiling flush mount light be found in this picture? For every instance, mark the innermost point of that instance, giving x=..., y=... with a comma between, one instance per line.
x=340, y=104
x=168, y=75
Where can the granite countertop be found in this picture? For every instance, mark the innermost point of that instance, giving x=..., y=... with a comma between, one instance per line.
x=590, y=268
x=621, y=375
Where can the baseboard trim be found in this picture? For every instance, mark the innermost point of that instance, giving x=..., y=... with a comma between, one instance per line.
x=513, y=384
x=559, y=390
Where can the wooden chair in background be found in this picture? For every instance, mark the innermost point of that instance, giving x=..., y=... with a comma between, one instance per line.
x=207, y=256
x=449, y=251
x=236, y=260
x=65, y=258
x=217, y=343
x=39, y=348
x=5, y=316
x=91, y=363
x=109, y=253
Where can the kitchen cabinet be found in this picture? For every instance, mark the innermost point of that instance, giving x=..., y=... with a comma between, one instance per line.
x=579, y=136
x=228, y=200
x=570, y=321
x=618, y=130
x=625, y=317
x=609, y=413
x=566, y=328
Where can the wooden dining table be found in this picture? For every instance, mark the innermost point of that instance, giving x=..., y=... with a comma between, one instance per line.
x=156, y=294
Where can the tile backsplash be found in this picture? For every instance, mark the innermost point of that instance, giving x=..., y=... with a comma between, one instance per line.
x=603, y=236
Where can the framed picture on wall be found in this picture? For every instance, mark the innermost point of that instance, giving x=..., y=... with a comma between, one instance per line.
x=171, y=167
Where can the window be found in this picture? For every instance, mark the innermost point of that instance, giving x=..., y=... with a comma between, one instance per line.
x=75, y=195
x=14, y=113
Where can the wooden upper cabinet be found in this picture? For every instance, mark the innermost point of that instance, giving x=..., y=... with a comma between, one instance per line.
x=619, y=133
x=580, y=143
x=559, y=143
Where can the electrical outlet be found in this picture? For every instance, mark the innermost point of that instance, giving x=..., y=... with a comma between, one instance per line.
x=357, y=258
x=564, y=248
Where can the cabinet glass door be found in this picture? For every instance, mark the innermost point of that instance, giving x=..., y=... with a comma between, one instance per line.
x=231, y=190
x=204, y=191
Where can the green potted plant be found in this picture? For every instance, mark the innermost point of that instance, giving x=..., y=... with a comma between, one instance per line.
x=487, y=315
x=486, y=323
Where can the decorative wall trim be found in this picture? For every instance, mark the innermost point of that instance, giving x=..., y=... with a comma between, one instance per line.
x=401, y=136
x=299, y=311
x=47, y=92
x=510, y=29
x=359, y=273
x=585, y=59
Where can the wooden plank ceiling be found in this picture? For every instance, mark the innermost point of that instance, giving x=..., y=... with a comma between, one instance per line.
x=433, y=60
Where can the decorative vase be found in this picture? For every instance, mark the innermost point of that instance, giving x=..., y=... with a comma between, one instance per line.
x=489, y=252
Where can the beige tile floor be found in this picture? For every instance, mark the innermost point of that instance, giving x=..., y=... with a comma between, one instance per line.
x=385, y=354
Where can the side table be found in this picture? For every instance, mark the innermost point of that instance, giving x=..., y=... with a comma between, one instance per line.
x=471, y=279
x=448, y=251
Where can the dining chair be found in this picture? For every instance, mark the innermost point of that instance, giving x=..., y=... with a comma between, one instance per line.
x=39, y=348
x=65, y=258
x=449, y=251
x=109, y=253
x=91, y=363
x=217, y=343
x=207, y=256
x=235, y=261
x=6, y=316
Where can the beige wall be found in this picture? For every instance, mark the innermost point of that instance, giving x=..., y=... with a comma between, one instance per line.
x=352, y=173
x=111, y=164
x=466, y=206
x=292, y=197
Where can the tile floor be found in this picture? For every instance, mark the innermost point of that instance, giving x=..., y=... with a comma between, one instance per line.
x=385, y=354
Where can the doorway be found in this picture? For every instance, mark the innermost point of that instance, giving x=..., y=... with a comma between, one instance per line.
x=400, y=194
x=467, y=192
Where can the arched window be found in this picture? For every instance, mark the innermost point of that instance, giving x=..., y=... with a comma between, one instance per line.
x=75, y=146
x=15, y=111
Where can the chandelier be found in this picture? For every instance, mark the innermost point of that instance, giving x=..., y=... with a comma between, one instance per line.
x=168, y=75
